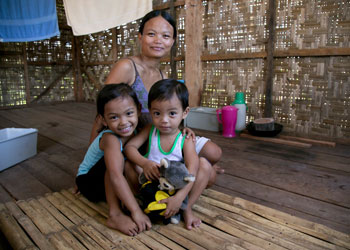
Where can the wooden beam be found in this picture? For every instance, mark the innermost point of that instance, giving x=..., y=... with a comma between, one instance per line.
x=114, y=44
x=92, y=78
x=167, y=5
x=271, y=23
x=193, y=63
x=25, y=71
x=234, y=56
x=177, y=58
x=277, y=140
x=11, y=65
x=84, y=64
x=313, y=52
x=10, y=53
x=78, y=80
x=173, y=48
x=54, y=82
x=45, y=63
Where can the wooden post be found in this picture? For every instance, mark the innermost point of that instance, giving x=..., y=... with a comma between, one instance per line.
x=271, y=24
x=25, y=69
x=193, y=64
x=78, y=80
x=114, y=44
x=173, y=49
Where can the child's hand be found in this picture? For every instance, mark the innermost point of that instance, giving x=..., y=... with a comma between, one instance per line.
x=151, y=170
x=173, y=206
x=189, y=133
x=142, y=221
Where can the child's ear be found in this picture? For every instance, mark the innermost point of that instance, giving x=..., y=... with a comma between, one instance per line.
x=103, y=120
x=185, y=113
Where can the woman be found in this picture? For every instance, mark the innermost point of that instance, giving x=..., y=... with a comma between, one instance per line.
x=157, y=34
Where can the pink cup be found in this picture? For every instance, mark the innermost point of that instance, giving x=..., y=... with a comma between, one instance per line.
x=228, y=119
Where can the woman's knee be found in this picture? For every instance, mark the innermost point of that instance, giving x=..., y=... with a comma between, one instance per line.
x=211, y=152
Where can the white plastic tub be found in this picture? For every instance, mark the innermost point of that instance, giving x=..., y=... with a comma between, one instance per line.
x=202, y=118
x=16, y=145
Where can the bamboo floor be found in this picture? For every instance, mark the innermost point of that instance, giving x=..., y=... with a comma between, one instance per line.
x=62, y=220
x=273, y=194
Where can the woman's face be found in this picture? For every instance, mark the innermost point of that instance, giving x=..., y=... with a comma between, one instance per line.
x=157, y=38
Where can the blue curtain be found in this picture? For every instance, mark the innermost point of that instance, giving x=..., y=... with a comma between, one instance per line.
x=27, y=20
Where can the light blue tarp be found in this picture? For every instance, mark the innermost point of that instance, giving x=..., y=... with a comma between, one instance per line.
x=27, y=20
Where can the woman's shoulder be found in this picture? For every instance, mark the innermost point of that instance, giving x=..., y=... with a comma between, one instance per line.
x=122, y=71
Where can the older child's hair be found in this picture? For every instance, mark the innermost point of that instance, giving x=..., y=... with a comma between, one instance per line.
x=155, y=13
x=112, y=91
x=165, y=89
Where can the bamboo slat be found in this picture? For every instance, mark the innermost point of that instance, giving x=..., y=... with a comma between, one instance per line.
x=63, y=220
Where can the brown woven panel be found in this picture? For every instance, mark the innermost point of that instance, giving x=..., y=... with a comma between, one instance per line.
x=312, y=24
x=60, y=86
x=222, y=79
x=12, y=87
x=234, y=26
x=57, y=49
x=311, y=95
x=46, y=61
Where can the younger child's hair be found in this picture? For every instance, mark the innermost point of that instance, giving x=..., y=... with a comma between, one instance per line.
x=165, y=89
x=112, y=91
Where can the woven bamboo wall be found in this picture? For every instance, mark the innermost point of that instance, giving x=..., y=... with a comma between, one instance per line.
x=48, y=64
x=310, y=92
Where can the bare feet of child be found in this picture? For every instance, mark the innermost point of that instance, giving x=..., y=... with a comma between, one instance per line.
x=218, y=169
x=191, y=221
x=123, y=223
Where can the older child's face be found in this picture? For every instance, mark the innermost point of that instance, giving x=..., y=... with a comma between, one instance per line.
x=168, y=114
x=157, y=37
x=121, y=116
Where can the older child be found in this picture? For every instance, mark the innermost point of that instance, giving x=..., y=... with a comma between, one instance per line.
x=101, y=174
x=168, y=104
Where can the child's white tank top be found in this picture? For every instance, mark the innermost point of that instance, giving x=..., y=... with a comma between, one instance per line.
x=155, y=151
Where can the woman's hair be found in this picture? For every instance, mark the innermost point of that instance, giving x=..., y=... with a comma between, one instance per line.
x=155, y=13
x=165, y=89
x=112, y=91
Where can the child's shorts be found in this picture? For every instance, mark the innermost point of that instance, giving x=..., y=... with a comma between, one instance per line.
x=200, y=142
x=92, y=184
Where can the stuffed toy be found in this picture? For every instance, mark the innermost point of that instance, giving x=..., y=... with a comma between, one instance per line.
x=173, y=176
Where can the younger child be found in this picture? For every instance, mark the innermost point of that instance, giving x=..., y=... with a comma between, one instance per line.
x=168, y=105
x=101, y=174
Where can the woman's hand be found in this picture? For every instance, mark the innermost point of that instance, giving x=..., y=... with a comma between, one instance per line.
x=189, y=133
x=151, y=170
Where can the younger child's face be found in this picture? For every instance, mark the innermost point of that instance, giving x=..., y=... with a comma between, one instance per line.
x=121, y=116
x=168, y=114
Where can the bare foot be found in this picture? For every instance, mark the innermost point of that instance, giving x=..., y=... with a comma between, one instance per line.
x=123, y=223
x=218, y=169
x=191, y=220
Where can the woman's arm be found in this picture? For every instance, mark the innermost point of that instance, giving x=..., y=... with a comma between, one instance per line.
x=122, y=72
